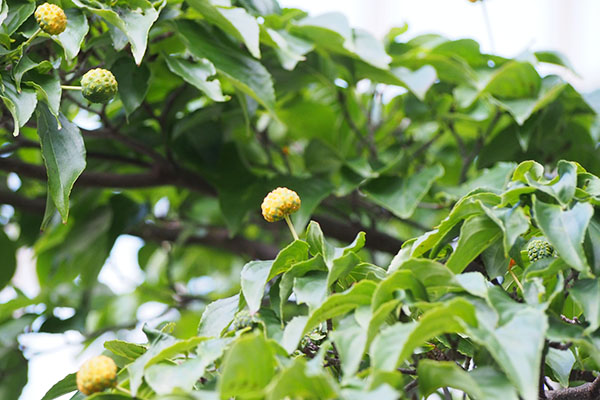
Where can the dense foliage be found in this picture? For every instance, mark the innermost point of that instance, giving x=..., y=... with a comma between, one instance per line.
x=413, y=151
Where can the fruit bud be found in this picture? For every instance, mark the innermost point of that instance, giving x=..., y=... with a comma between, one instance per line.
x=96, y=375
x=99, y=85
x=280, y=203
x=51, y=18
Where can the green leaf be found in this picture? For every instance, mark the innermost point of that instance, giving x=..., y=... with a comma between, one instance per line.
x=165, y=378
x=133, y=83
x=319, y=245
x=402, y=195
x=398, y=280
x=72, y=37
x=64, y=156
x=245, y=73
x=587, y=293
x=299, y=381
x=563, y=188
x=136, y=369
x=513, y=80
x=124, y=349
x=134, y=21
x=517, y=348
x=311, y=289
x=350, y=340
x=340, y=303
x=433, y=375
x=396, y=343
x=494, y=384
x=418, y=81
x=371, y=50
x=218, y=315
x=254, y=278
x=553, y=57
x=237, y=378
x=512, y=221
x=233, y=20
x=20, y=105
x=290, y=49
x=48, y=89
x=565, y=230
x=8, y=249
x=18, y=12
x=476, y=234
x=561, y=362
x=64, y=386
x=291, y=254
x=197, y=74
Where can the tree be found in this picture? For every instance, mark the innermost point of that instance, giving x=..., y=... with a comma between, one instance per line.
x=469, y=267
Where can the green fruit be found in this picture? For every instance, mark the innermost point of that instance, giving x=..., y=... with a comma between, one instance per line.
x=538, y=249
x=243, y=319
x=99, y=85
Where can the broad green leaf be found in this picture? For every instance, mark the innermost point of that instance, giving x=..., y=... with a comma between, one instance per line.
x=350, y=340
x=311, y=289
x=395, y=343
x=299, y=381
x=587, y=293
x=125, y=349
x=419, y=81
x=179, y=347
x=290, y=49
x=371, y=50
x=293, y=332
x=297, y=270
x=291, y=254
x=255, y=275
x=197, y=74
x=64, y=386
x=494, y=384
x=512, y=221
x=464, y=208
x=563, y=188
x=245, y=73
x=430, y=273
x=136, y=369
x=433, y=375
x=20, y=105
x=238, y=379
x=553, y=57
x=77, y=29
x=319, y=245
x=341, y=266
x=64, y=156
x=134, y=21
x=402, y=195
x=565, y=229
x=398, y=280
x=514, y=79
x=561, y=362
x=476, y=234
x=517, y=348
x=218, y=315
x=233, y=20
x=48, y=89
x=8, y=249
x=18, y=12
x=26, y=64
x=341, y=303
x=165, y=378
x=133, y=83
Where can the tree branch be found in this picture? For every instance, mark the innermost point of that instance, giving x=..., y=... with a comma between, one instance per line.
x=587, y=391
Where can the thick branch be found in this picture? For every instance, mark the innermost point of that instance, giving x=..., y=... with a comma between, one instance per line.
x=587, y=391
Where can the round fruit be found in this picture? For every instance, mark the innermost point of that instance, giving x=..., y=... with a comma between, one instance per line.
x=99, y=85
x=280, y=203
x=242, y=320
x=51, y=18
x=538, y=249
x=97, y=374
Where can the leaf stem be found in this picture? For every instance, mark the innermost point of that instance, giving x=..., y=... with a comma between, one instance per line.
x=516, y=280
x=28, y=41
x=67, y=87
x=291, y=226
x=123, y=390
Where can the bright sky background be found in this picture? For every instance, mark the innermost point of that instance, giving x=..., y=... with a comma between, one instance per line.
x=568, y=26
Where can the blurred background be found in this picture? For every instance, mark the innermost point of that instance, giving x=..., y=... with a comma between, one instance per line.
x=504, y=27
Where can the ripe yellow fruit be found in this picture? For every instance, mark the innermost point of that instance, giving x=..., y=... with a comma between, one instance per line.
x=99, y=85
x=51, y=18
x=279, y=203
x=96, y=375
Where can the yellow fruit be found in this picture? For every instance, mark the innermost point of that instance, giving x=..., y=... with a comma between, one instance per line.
x=99, y=85
x=51, y=18
x=279, y=203
x=96, y=375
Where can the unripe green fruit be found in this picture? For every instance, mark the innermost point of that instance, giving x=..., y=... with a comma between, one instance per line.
x=538, y=249
x=51, y=18
x=243, y=319
x=99, y=85
x=96, y=375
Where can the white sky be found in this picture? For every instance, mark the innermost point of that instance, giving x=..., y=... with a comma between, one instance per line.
x=568, y=26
